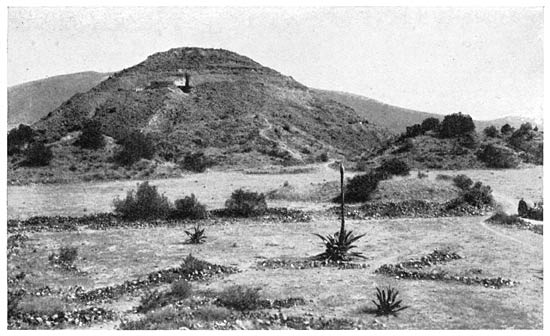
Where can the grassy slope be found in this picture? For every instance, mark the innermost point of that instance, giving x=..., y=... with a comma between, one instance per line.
x=28, y=102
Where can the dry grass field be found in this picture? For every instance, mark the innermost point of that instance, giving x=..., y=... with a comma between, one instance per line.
x=110, y=257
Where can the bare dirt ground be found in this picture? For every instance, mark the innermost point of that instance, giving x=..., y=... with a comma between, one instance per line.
x=213, y=188
x=489, y=251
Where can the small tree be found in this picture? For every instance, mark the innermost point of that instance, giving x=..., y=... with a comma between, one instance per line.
x=506, y=129
x=413, y=131
x=18, y=138
x=135, y=146
x=456, y=124
x=37, y=154
x=430, y=124
x=491, y=131
x=91, y=136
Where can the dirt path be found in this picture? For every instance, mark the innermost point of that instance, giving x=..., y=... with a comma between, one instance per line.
x=486, y=227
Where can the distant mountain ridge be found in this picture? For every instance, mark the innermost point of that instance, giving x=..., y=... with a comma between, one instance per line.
x=28, y=102
x=396, y=119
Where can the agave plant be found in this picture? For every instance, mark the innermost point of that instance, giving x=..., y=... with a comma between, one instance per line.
x=338, y=246
x=197, y=236
x=387, y=303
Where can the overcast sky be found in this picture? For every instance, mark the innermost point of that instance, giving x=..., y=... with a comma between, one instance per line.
x=486, y=62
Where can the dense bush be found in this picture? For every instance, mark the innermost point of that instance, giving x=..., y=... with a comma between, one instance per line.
x=197, y=162
x=394, y=167
x=430, y=124
x=463, y=182
x=146, y=203
x=491, y=131
x=246, y=203
x=498, y=156
x=323, y=157
x=360, y=187
x=37, y=154
x=478, y=195
x=456, y=124
x=240, y=298
x=506, y=129
x=469, y=140
x=135, y=146
x=413, y=131
x=91, y=136
x=189, y=207
x=18, y=138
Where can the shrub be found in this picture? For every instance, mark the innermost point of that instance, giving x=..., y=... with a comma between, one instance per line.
x=37, y=154
x=18, y=138
x=240, y=298
x=387, y=302
x=506, y=129
x=337, y=247
x=181, y=289
x=413, y=131
x=491, y=131
x=469, y=140
x=500, y=217
x=246, y=203
x=394, y=167
x=456, y=124
x=430, y=124
x=147, y=203
x=498, y=156
x=91, y=136
x=151, y=300
x=479, y=195
x=65, y=257
x=323, y=157
x=189, y=207
x=196, y=162
x=135, y=146
x=360, y=187
x=197, y=236
x=193, y=265
x=463, y=182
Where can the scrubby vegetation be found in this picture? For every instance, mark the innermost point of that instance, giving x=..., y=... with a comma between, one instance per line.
x=37, y=154
x=196, y=162
x=19, y=138
x=244, y=203
x=145, y=203
x=240, y=298
x=91, y=136
x=463, y=182
x=455, y=125
x=393, y=167
x=135, y=146
x=498, y=156
x=189, y=207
